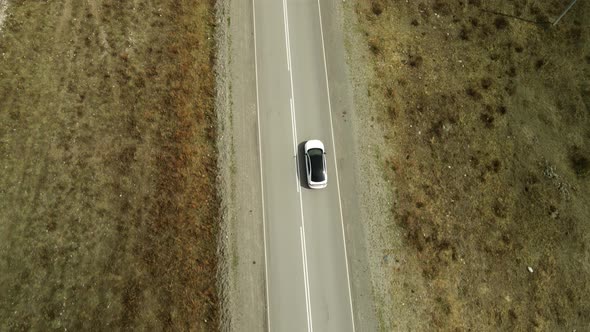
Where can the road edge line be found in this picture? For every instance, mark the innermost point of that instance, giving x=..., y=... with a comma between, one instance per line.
x=336, y=165
x=261, y=173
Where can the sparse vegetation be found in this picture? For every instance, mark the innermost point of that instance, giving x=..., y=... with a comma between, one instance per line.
x=108, y=207
x=482, y=103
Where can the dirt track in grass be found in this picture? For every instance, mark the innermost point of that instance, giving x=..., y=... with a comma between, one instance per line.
x=108, y=207
x=486, y=131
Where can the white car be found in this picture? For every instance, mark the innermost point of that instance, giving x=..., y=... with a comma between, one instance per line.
x=315, y=164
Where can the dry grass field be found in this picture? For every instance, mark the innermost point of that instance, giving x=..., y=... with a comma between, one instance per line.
x=108, y=207
x=487, y=112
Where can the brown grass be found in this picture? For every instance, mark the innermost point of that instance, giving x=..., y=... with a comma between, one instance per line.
x=109, y=215
x=488, y=153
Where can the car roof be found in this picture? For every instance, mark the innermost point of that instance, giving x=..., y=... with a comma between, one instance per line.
x=317, y=167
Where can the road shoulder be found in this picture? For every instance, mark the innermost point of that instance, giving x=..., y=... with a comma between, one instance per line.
x=242, y=274
x=347, y=135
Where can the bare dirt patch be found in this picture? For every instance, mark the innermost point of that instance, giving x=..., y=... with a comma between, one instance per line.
x=486, y=129
x=3, y=6
x=108, y=207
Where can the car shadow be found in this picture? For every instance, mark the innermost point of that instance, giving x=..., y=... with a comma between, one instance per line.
x=301, y=165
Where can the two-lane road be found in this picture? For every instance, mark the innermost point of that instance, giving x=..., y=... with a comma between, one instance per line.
x=307, y=275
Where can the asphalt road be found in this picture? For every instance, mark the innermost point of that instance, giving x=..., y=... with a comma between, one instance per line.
x=307, y=277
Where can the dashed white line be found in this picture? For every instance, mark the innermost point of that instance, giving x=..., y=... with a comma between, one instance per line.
x=336, y=165
x=297, y=180
x=305, y=269
x=294, y=137
x=293, y=125
x=261, y=178
x=306, y=278
x=295, y=140
x=287, y=42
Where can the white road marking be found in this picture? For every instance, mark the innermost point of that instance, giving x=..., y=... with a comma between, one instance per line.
x=336, y=165
x=293, y=124
x=297, y=180
x=295, y=140
x=287, y=42
x=293, y=119
x=307, y=299
x=261, y=178
x=294, y=137
x=305, y=269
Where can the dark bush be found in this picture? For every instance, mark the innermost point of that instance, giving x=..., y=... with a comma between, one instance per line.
x=500, y=23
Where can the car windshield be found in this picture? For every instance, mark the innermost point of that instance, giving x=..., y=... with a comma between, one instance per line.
x=317, y=165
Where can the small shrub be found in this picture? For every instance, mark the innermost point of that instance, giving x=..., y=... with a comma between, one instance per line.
x=580, y=163
x=441, y=8
x=415, y=61
x=487, y=119
x=575, y=34
x=473, y=93
x=502, y=109
x=512, y=71
x=464, y=34
x=499, y=210
x=495, y=166
x=510, y=88
x=392, y=112
x=486, y=82
x=377, y=8
x=500, y=23
x=374, y=47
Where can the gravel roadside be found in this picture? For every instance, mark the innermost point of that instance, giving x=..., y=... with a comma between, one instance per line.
x=3, y=6
x=242, y=245
x=375, y=195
